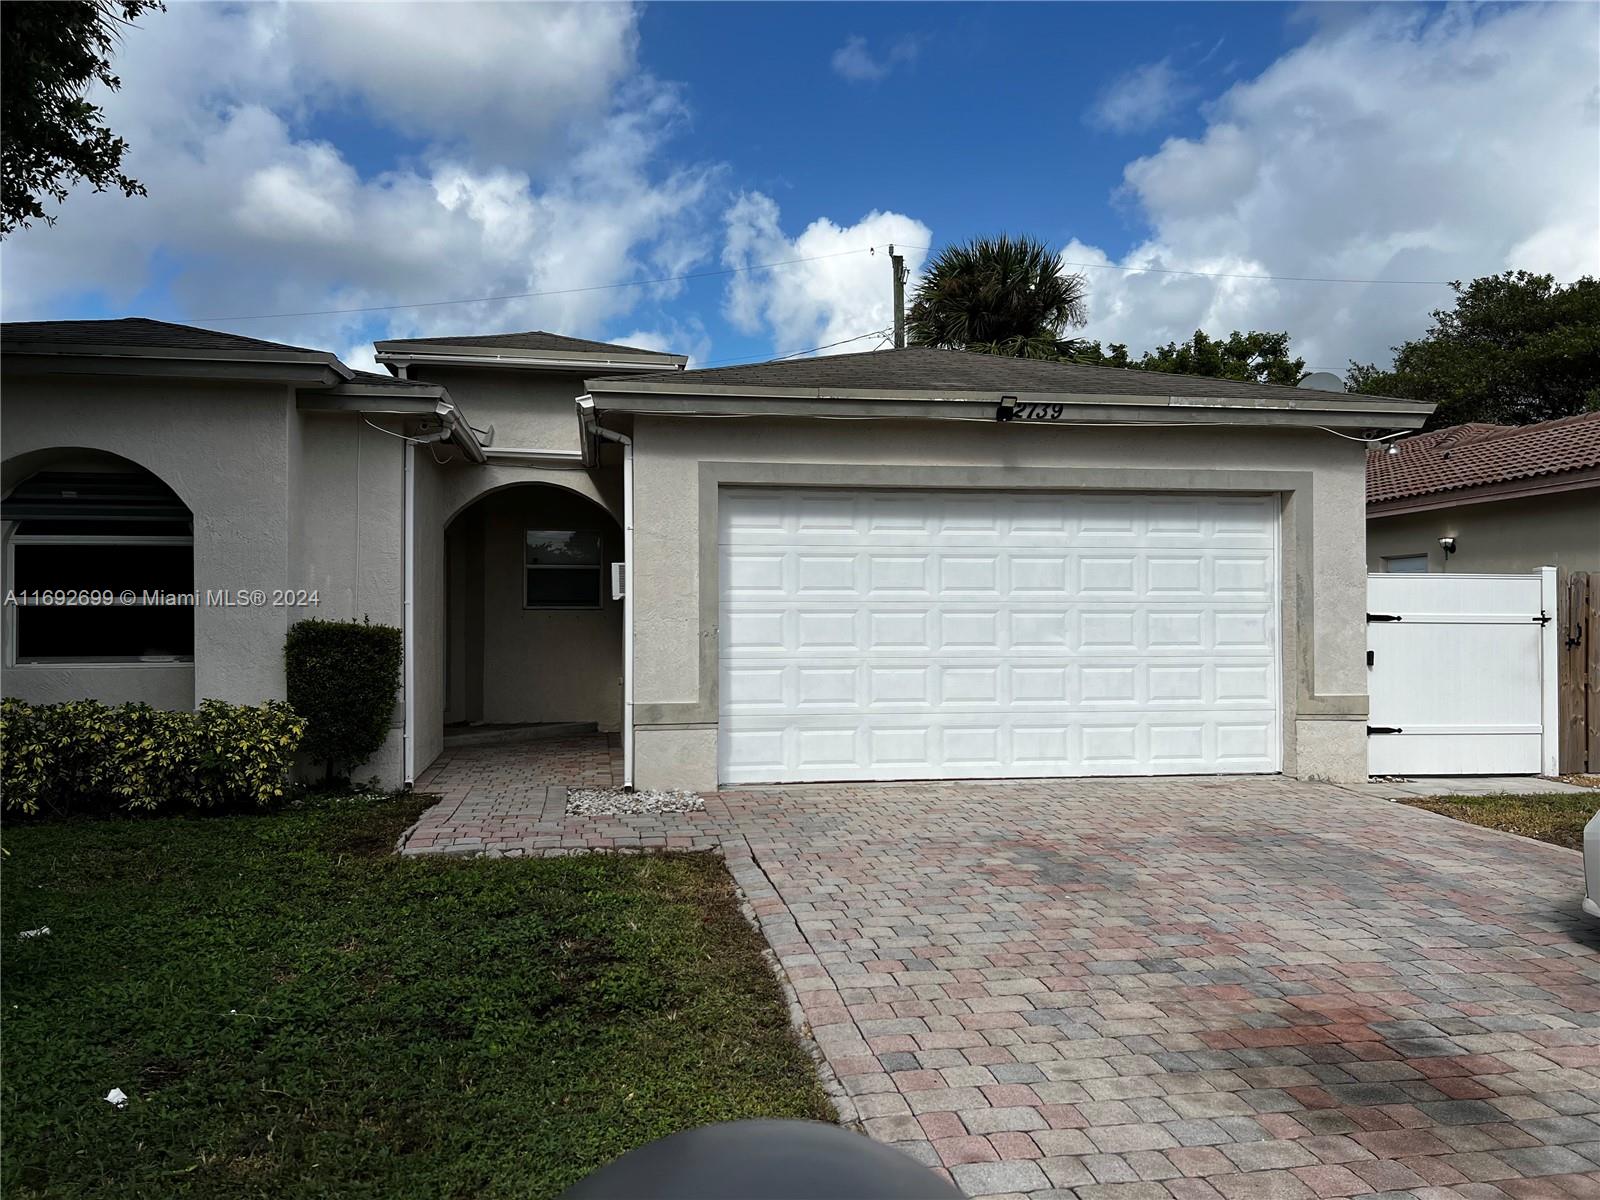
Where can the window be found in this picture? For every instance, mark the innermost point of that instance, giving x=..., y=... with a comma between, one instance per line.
x=1406, y=564
x=100, y=567
x=561, y=568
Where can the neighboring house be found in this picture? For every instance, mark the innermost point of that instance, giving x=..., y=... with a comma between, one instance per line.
x=1512, y=499
x=900, y=565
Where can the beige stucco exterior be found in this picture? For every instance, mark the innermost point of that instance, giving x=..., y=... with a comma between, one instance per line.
x=510, y=664
x=681, y=463
x=313, y=503
x=527, y=409
x=1558, y=529
x=290, y=488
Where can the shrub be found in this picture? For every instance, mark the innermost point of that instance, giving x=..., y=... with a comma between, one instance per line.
x=84, y=756
x=343, y=676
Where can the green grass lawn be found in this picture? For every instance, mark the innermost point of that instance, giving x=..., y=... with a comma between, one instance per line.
x=296, y=1012
x=1557, y=818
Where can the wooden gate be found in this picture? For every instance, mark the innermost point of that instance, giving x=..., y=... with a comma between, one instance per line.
x=1578, y=644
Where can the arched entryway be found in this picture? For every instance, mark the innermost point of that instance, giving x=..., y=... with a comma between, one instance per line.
x=99, y=562
x=533, y=634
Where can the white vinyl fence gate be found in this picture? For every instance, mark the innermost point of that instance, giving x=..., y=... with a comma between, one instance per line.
x=1462, y=674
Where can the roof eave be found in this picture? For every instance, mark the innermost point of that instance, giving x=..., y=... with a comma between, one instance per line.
x=389, y=353
x=303, y=367
x=1548, y=484
x=731, y=400
x=424, y=400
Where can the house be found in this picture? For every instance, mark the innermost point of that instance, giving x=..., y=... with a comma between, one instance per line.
x=899, y=565
x=1488, y=499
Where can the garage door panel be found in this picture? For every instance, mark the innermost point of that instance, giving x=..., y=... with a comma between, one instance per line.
x=925, y=635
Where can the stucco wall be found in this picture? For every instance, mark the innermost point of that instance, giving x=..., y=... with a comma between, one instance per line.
x=678, y=461
x=530, y=410
x=1510, y=536
x=428, y=646
x=511, y=664
x=224, y=449
x=281, y=500
x=347, y=504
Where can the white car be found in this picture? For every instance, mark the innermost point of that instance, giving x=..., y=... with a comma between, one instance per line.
x=1591, y=866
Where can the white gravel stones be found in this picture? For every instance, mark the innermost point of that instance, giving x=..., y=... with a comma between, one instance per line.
x=619, y=802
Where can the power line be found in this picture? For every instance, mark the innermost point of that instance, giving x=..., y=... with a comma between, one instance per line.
x=1085, y=266
x=598, y=287
x=717, y=362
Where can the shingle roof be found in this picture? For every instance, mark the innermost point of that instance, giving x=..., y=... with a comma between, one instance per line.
x=533, y=339
x=1476, y=455
x=943, y=372
x=133, y=331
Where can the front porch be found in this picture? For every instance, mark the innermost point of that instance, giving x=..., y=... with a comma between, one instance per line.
x=511, y=801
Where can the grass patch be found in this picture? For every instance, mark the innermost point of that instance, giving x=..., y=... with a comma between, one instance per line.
x=295, y=1012
x=1557, y=818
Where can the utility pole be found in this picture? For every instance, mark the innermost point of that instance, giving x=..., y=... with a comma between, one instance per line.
x=897, y=263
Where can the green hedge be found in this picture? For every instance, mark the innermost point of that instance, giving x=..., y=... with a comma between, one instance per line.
x=84, y=756
x=343, y=676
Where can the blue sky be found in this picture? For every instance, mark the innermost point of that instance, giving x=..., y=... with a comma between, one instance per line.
x=308, y=157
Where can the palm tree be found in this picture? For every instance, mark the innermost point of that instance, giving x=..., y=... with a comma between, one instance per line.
x=1001, y=295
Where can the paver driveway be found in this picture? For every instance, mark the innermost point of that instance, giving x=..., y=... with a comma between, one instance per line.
x=1234, y=987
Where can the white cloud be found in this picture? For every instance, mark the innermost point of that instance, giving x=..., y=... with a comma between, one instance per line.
x=855, y=61
x=498, y=77
x=844, y=293
x=673, y=337
x=246, y=214
x=1139, y=98
x=1395, y=146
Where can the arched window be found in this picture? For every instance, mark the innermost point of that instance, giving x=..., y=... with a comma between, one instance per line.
x=99, y=569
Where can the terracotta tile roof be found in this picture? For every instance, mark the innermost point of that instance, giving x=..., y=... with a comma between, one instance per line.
x=1476, y=455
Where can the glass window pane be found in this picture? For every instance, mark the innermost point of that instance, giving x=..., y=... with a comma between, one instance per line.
x=45, y=568
x=563, y=548
x=115, y=631
x=574, y=587
x=1408, y=564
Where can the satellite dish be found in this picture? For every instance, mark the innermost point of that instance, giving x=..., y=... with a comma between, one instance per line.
x=1323, y=381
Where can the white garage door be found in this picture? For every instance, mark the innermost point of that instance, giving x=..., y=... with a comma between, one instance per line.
x=946, y=635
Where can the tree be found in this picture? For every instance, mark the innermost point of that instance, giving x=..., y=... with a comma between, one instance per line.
x=51, y=53
x=1248, y=357
x=1516, y=348
x=1001, y=295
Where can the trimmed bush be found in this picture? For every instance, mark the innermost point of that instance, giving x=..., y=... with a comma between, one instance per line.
x=343, y=676
x=84, y=756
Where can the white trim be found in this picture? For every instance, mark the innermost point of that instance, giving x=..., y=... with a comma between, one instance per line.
x=627, y=611
x=1549, y=749
x=408, y=557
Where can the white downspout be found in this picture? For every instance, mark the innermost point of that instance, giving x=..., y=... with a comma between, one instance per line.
x=627, y=600
x=408, y=633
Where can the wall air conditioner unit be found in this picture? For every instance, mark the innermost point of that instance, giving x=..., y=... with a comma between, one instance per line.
x=619, y=580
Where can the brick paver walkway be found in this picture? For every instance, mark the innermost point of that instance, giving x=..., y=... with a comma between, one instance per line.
x=1191, y=988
